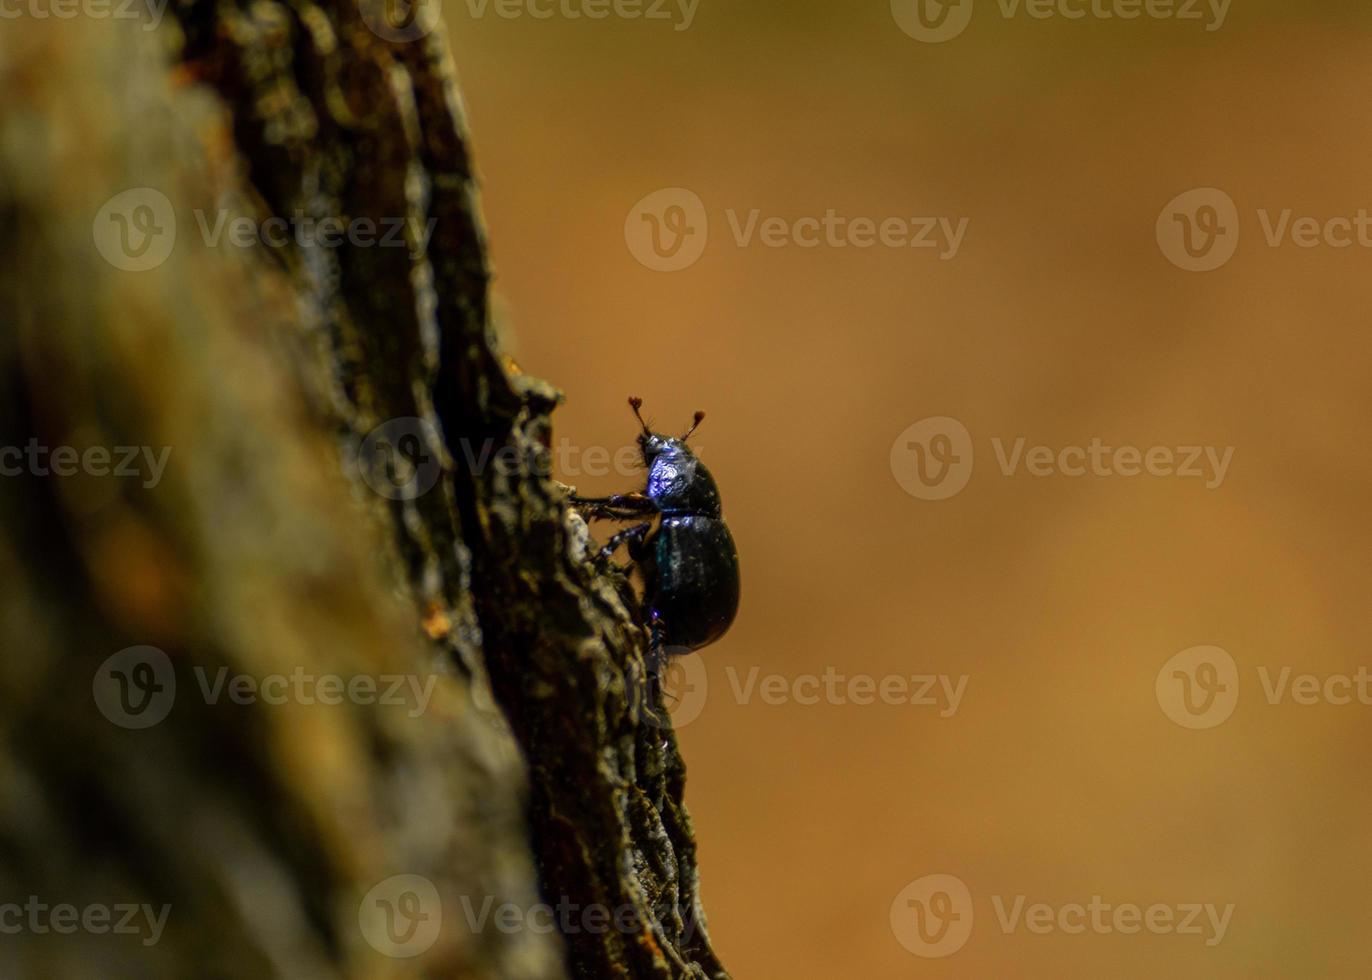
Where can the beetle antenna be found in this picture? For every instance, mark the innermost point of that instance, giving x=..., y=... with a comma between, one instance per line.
x=695, y=424
x=636, y=403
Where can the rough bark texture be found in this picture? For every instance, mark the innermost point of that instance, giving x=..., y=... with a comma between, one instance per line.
x=263, y=550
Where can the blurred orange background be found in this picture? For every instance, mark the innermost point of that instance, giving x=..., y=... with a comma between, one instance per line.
x=1060, y=319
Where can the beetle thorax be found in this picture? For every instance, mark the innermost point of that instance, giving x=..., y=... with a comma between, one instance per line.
x=678, y=483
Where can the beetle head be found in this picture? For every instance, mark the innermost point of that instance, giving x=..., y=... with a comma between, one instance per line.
x=677, y=480
x=655, y=444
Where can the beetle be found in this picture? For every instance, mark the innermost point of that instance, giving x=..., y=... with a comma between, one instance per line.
x=688, y=561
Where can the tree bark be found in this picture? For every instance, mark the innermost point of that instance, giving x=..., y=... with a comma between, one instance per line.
x=286, y=836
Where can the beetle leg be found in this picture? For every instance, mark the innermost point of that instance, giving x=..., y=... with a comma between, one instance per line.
x=602, y=513
x=633, y=535
x=636, y=503
x=657, y=647
x=618, y=507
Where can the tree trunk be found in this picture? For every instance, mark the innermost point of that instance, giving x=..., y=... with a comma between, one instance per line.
x=339, y=484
